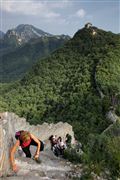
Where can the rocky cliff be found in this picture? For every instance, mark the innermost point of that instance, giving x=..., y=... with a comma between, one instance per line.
x=10, y=123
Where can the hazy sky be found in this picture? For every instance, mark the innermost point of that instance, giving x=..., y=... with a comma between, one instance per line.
x=61, y=16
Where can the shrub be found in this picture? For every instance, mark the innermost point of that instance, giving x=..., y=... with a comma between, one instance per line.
x=72, y=155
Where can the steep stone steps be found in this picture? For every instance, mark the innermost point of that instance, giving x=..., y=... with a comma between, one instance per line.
x=10, y=123
x=51, y=168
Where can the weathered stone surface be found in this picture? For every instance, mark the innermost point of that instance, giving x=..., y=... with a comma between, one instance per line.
x=5, y=144
x=10, y=123
x=111, y=116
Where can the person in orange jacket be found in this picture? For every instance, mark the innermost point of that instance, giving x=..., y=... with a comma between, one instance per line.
x=25, y=139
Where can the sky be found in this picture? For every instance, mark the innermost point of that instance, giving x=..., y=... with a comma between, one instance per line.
x=60, y=16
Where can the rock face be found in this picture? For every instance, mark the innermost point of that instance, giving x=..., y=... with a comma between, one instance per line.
x=10, y=123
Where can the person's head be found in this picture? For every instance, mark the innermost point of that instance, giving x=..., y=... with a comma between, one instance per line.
x=50, y=138
x=17, y=134
x=60, y=139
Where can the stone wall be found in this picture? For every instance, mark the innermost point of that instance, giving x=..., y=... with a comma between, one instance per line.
x=10, y=123
x=6, y=142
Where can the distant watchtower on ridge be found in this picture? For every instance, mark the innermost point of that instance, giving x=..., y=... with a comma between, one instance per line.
x=88, y=25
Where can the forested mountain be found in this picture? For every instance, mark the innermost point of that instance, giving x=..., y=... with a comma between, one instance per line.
x=16, y=63
x=79, y=84
x=21, y=34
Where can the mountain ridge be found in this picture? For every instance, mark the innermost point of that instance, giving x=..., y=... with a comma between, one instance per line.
x=22, y=34
x=25, y=32
x=22, y=46
x=79, y=55
x=16, y=63
x=66, y=86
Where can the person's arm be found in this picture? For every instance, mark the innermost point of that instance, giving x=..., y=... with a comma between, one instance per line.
x=12, y=152
x=38, y=147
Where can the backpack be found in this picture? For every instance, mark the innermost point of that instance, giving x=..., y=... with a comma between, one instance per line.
x=24, y=136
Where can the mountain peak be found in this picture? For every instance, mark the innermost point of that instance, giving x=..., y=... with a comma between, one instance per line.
x=30, y=28
x=25, y=32
x=24, y=25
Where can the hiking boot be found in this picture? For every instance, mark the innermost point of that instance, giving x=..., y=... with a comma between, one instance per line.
x=37, y=160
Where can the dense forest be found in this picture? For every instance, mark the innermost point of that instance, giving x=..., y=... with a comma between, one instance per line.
x=78, y=83
x=15, y=62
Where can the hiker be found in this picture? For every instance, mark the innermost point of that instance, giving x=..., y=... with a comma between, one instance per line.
x=25, y=139
x=61, y=145
x=53, y=141
x=68, y=140
x=57, y=145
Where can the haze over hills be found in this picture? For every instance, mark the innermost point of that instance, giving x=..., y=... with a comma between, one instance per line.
x=80, y=84
x=22, y=46
x=1, y=34
x=14, y=65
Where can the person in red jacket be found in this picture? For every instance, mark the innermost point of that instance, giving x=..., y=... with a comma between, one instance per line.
x=25, y=139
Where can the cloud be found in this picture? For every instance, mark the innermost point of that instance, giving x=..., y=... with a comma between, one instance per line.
x=36, y=8
x=51, y=15
x=61, y=4
x=81, y=13
x=33, y=7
